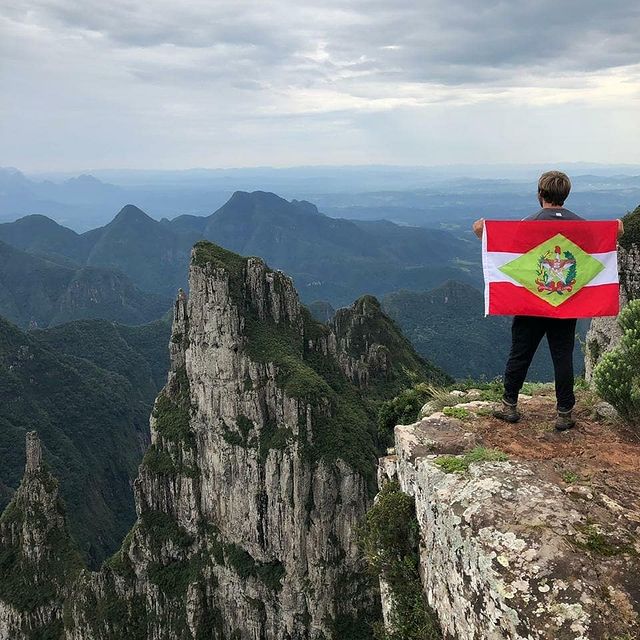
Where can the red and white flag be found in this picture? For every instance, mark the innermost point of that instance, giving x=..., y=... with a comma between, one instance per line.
x=551, y=268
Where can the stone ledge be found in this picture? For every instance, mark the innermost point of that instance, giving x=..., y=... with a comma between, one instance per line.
x=507, y=553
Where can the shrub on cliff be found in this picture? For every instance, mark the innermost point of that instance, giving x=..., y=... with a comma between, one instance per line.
x=389, y=538
x=631, y=229
x=617, y=375
x=403, y=409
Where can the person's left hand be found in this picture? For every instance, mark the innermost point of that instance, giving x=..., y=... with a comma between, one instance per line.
x=478, y=227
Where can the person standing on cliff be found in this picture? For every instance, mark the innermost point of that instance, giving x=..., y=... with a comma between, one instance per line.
x=528, y=331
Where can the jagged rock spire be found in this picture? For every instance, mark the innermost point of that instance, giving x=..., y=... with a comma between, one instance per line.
x=179, y=330
x=34, y=453
x=40, y=562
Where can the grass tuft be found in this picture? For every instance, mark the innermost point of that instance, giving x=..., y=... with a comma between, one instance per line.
x=460, y=464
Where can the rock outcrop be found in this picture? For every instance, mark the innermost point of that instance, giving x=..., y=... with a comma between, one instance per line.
x=604, y=333
x=38, y=560
x=371, y=349
x=509, y=550
x=261, y=465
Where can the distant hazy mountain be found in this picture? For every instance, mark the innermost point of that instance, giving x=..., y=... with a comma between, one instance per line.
x=41, y=235
x=423, y=196
x=154, y=256
x=84, y=202
x=81, y=202
x=447, y=326
x=331, y=259
x=36, y=291
x=87, y=389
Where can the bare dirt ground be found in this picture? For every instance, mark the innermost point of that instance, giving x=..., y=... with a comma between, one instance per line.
x=597, y=456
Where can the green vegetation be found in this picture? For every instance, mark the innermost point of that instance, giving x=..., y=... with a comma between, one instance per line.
x=139, y=353
x=160, y=527
x=354, y=627
x=283, y=345
x=109, y=615
x=389, y=539
x=274, y=437
x=631, y=234
x=457, y=412
x=594, y=540
x=161, y=462
x=447, y=326
x=119, y=562
x=403, y=409
x=570, y=477
x=28, y=583
x=172, y=411
x=91, y=421
x=235, y=265
x=174, y=578
x=39, y=290
x=460, y=464
x=365, y=324
x=344, y=257
x=321, y=310
x=617, y=375
x=270, y=573
x=341, y=417
x=536, y=388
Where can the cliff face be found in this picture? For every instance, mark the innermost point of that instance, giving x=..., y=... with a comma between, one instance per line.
x=604, y=333
x=262, y=463
x=38, y=561
x=540, y=546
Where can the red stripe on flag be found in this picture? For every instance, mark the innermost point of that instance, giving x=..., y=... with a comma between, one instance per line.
x=507, y=299
x=520, y=237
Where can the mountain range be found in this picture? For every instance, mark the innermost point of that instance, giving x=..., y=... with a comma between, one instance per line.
x=332, y=259
x=38, y=291
x=436, y=197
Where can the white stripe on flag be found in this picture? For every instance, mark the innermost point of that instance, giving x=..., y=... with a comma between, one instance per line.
x=493, y=260
x=485, y=269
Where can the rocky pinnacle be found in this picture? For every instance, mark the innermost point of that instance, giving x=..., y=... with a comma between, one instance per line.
x=34, y=453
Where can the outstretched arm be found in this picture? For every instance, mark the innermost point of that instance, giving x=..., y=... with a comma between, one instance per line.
x=478, y=227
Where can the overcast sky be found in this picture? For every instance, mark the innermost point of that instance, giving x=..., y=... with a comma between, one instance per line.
x=216, y=83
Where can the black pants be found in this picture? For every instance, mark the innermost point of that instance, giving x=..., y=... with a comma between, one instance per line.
x=526, y=333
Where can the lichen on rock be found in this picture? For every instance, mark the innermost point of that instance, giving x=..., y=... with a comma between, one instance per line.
x=507, y=549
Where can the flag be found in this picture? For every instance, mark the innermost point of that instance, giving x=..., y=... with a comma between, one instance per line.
x=551, y=268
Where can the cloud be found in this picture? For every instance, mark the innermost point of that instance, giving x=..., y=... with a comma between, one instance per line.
x=216, y=70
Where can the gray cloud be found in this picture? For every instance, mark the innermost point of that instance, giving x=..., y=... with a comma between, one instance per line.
x=449, y=42
x=238, y=73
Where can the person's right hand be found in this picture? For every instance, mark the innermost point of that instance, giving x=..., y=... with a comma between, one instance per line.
x=620, y=227
x=478, y=227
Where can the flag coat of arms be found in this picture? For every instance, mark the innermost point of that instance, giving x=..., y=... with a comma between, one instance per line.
x=551, y=268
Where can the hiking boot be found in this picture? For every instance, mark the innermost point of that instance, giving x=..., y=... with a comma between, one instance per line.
x=564, y=421
x=507, y=412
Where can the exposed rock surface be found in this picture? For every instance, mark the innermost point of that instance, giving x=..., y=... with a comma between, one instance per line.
x=38, y=561
x=261, y=465
x=604, y=333
x=371, y=349
x=511, y=551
